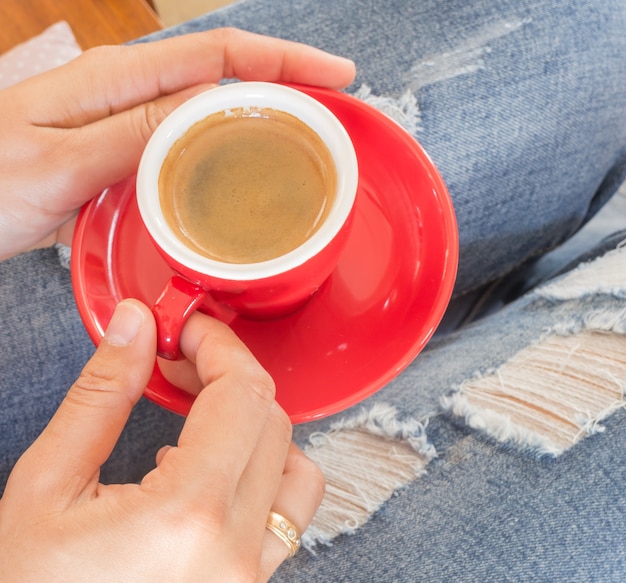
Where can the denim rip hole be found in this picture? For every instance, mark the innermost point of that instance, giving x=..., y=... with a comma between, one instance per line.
x=550, y=395
x=364, y=459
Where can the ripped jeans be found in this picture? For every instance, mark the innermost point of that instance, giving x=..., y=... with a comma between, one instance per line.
x=497, y=455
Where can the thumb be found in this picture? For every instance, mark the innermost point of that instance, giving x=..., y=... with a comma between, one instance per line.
x=120, y=140
x=88, y=423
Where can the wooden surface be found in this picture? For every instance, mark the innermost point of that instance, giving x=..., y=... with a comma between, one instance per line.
x=175, y=11
x=94, y=22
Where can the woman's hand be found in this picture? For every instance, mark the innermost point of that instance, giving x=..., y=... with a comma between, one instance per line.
x=71, y=132
x=200, y=514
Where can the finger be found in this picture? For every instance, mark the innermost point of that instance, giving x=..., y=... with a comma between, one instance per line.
x=226, y=420
x=109, y=150
x=115, y=97
x=88, y=423
x=299, y=495
x=107, y=80
x=181, y=373
x=161, y=453
x=121, y=140
x=260, y=480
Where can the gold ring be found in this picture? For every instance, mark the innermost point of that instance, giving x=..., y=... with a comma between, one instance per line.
x=285, y=531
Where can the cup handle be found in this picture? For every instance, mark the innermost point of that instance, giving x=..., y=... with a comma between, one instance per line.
x=177, y=302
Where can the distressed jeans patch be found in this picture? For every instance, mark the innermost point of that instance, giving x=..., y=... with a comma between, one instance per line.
x=551, y=394
x=606, y=275
x=364, y=459
x=468, y=56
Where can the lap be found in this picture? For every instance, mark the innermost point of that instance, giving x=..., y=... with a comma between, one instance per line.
x=488, y=485
x=521, y=107
x=510, y=427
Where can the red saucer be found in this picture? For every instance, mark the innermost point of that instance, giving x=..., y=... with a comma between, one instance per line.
x=372, y=317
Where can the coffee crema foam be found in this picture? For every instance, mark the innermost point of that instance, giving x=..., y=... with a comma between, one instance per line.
x=247, y=186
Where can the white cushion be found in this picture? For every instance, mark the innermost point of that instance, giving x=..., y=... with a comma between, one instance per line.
x=53, y=47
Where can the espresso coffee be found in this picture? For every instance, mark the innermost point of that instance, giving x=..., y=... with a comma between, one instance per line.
x=246, y=186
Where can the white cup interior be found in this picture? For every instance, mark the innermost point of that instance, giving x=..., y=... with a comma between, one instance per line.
x=244, y=95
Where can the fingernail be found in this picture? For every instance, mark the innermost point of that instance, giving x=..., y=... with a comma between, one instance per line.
x=124, y=325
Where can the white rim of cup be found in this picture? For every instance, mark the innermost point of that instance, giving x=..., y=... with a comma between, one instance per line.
x=247, y=94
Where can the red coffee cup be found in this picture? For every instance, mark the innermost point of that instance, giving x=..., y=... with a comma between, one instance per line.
x=265, y=289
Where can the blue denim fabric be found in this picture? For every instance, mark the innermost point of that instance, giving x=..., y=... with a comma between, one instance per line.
x=43, y=347
x=522, y=103
x=484, y=511
x=487, y=511
x=525, y=116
